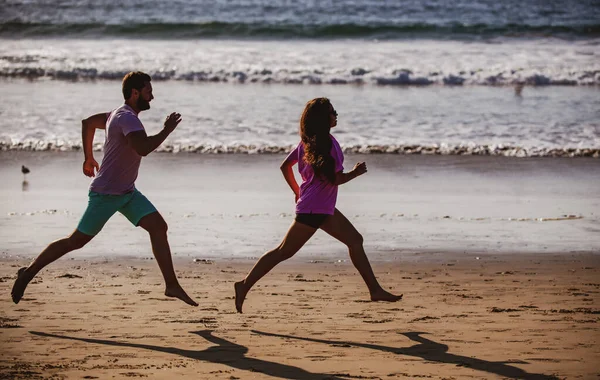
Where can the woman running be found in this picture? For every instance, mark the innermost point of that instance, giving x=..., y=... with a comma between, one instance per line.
x=319, y=158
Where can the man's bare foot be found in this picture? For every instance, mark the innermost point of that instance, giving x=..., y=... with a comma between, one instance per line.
x=178, y=292
x=21, y=283
x=240, y=295
x=384, y=296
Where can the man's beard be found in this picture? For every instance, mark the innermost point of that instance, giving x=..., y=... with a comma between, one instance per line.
x=142, y=104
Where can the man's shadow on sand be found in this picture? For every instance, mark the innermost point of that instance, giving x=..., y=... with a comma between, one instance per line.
x=234, y=355
x=434, y=352
x=225, y=352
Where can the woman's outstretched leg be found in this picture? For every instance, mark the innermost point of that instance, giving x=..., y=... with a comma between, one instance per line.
x=340, y=228
x=296, y=237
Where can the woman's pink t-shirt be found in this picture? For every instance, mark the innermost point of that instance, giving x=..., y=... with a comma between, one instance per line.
x=317, y=195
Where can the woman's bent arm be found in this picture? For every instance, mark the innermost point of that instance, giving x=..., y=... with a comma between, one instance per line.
x=359, y=169
x=288, y=174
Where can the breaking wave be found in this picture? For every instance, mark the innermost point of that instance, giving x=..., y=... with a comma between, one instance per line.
x=357, y=76
x=408, y=149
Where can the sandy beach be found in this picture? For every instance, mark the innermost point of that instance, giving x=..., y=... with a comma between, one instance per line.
x=479, y=125
x=496, y=317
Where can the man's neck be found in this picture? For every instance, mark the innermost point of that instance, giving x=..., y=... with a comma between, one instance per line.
x=133, y=107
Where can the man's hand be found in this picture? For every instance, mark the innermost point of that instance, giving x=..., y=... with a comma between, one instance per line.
x=88, y=167
x=171, y=121
x=359, y=169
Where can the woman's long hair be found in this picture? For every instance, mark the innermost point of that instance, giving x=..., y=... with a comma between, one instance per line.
x=314, y=132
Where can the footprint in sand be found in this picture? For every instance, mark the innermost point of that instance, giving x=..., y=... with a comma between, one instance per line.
x=5, y=323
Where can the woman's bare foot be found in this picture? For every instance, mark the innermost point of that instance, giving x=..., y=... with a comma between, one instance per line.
x=178, y=292
x=384, y=296
x=240, y=295
x=20, y=285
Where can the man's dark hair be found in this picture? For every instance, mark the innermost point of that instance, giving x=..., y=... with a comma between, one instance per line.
x=134, y=79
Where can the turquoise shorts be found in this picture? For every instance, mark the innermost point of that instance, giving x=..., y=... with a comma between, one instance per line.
x=101, y=207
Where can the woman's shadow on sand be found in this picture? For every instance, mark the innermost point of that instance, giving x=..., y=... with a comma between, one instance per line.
x=234, y=355
x=434, y=352
x=226, y=352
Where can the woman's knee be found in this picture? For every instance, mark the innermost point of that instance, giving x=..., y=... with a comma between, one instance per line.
x=283, y=253
x=355, y=240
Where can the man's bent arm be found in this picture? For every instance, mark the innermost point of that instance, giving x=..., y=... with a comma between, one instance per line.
x=88, y=129
x=144, y=144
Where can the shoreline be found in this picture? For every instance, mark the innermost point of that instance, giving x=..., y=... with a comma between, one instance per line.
x=238, y=206
x=486, y=150
x=392, y=257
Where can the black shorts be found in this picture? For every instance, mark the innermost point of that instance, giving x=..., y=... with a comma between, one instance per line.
x=312, y=220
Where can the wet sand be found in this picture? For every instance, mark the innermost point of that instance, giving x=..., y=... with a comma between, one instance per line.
x=499, y=316
x=238, y=206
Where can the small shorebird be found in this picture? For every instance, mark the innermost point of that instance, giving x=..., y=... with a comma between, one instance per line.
x=519, y=89
x=24, y=170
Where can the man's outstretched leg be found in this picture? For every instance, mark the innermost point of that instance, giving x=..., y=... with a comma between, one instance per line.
x=157, y=228
x=54, y=251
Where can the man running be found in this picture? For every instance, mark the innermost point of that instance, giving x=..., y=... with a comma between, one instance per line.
x=113, y=188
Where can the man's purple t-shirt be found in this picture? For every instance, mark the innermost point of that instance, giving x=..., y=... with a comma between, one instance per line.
x=317, y=195
x=120, y=165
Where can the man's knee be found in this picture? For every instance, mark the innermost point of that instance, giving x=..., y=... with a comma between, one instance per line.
x=78, y=240
x=158, y=228
x=154, y=223
x=162, y=226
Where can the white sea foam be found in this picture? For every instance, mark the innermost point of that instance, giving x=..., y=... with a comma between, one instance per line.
x=535, y=62
x=436, y=149
x=255, y=118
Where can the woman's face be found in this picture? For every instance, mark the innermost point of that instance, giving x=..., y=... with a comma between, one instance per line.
x=332, y=116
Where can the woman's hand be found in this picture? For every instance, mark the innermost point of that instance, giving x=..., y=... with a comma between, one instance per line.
x=359, y=169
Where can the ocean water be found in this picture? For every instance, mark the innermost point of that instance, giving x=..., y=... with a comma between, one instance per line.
x=45, y=115
x=420, y=76
x=473, y=19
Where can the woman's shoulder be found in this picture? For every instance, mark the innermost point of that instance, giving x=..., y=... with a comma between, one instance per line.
x=334, y=141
